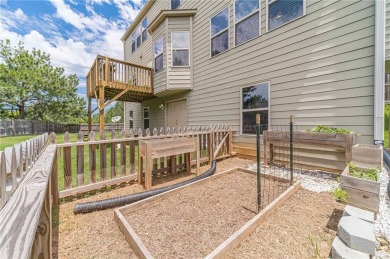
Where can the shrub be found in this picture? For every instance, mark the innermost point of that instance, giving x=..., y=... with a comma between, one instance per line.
x=325, y=129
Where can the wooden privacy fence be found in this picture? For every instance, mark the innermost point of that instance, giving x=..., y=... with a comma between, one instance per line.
x=25, y=216
x=26, y=127
x=113, y=160
x=16, y=162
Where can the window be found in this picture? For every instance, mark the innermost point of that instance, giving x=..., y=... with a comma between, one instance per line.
x=158, y=55
x=255, y=100
x=220, y=32
x=247, y=20
x=144, y=30
x=146, y=117
x=138, y=34
x=283, y=11
x=133, y=42
x=175, y=4
x=131, y=119
x=180, y=49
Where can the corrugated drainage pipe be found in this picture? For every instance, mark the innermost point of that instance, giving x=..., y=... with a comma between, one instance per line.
x=131, y=198
x=386, y=160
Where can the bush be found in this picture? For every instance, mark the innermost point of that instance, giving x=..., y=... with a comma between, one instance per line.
x=325, y=129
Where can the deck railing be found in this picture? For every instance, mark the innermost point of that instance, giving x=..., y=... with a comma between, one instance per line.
x=114, y=73
x=112, y=160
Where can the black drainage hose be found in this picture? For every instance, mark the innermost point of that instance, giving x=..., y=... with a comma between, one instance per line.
x=386, y=159
x=128, y=199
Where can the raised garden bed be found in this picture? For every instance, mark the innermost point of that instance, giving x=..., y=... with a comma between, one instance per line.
x=367, y=156
x=207, y=217
x=361, y=192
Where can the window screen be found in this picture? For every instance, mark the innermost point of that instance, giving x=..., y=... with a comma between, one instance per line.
x=220, y=32
x=247, y=20
x=283, y=11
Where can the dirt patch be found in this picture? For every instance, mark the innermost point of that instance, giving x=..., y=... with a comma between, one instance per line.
x=194, y=221
x=96, y=235
x=303, y=227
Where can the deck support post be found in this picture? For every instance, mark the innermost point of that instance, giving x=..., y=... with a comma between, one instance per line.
x=89, y=115
x=101, y=109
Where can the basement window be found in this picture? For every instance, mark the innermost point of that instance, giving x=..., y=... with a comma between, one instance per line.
x=158, y=55
x=180, y=48
x=281, y=12
x=146, y=117
x=219, y=31
x=254, y=100
x=247, y=20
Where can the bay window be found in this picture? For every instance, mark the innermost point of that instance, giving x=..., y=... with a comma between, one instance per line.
x=180, y=48
x=254, y=100
x=219, y=26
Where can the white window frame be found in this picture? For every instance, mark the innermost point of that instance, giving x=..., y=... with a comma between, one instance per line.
x=176, y=7
x=257, y=109
x=162, y=53
x=143, y=116
x=219, y=33
x=139, y=29
x=189, y=47
x=247, y=16
x=267, y=15
x=133, y=40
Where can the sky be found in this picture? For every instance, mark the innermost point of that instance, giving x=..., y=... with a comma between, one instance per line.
x=73, y=32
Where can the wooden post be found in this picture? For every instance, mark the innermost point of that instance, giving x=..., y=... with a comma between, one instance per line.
x=92, y=158
x=89, y=114
x=80, y=160
x=348, y=147
x=132, y=157
x=173, y=164
x=67, y=163
x=101, y=108
x=123, y=154
x=211, y=146
x=103, y=157
x=197, y=156
x=54, y=174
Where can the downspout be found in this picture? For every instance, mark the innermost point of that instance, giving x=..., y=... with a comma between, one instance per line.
x=379, y=74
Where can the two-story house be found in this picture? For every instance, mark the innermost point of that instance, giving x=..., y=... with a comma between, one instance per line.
x=222, y=62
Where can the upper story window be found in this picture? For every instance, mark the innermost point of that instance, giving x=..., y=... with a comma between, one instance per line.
x=146, y=117
x=175, y=4
x=138, y=34
x=247, y=20
x=158, y=54
x=180, y=48
x=144, y=30
x=255, y=100
x=283, y=11
x=219, y=26
x=133, y=42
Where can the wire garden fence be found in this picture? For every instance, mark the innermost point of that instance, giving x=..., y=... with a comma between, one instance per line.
x=29, y=127
x=277, y=160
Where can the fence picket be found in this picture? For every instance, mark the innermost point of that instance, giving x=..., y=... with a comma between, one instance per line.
x=80, y=160
x=3, y=180
x=113, y=155
x=92, y=158
x=123, y=154
x=103, y=157
x=67, y=163
x=19, y=162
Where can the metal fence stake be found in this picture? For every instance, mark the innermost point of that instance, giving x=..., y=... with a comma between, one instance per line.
x=291, y=151
x=258, y=162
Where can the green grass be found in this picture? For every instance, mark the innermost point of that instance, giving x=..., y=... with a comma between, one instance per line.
x=10, y=141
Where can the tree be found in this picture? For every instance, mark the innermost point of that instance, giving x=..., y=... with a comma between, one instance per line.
x=31, y=88
x=116, y=110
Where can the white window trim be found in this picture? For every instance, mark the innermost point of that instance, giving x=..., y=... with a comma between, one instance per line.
x=235, y=23
x=189, y=47
x=162, y=53
x=228, y=30
x=257, y=109
x=177, y=6
x=143, y=116
x=267, y=16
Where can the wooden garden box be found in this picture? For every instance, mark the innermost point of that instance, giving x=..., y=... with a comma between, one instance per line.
x=367, y=156
x=360, y=192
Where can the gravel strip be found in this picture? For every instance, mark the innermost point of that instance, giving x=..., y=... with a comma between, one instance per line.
x=315, y=181
x=382, y=222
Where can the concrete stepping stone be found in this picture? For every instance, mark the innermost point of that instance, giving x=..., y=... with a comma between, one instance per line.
x=359, y=213
x=341, y=251
x=357, y=234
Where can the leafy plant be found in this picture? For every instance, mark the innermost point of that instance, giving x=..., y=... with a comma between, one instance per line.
x=368, y=174
x=326, y=129
x=340, y=194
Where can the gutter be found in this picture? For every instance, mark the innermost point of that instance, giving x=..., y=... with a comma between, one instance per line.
x=379, y=74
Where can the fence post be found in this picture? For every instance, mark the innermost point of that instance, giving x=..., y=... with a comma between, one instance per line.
x=54, y=174
x=291, y=151
x=258, y=162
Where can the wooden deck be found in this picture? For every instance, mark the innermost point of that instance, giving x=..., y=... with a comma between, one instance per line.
x=111, y=80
